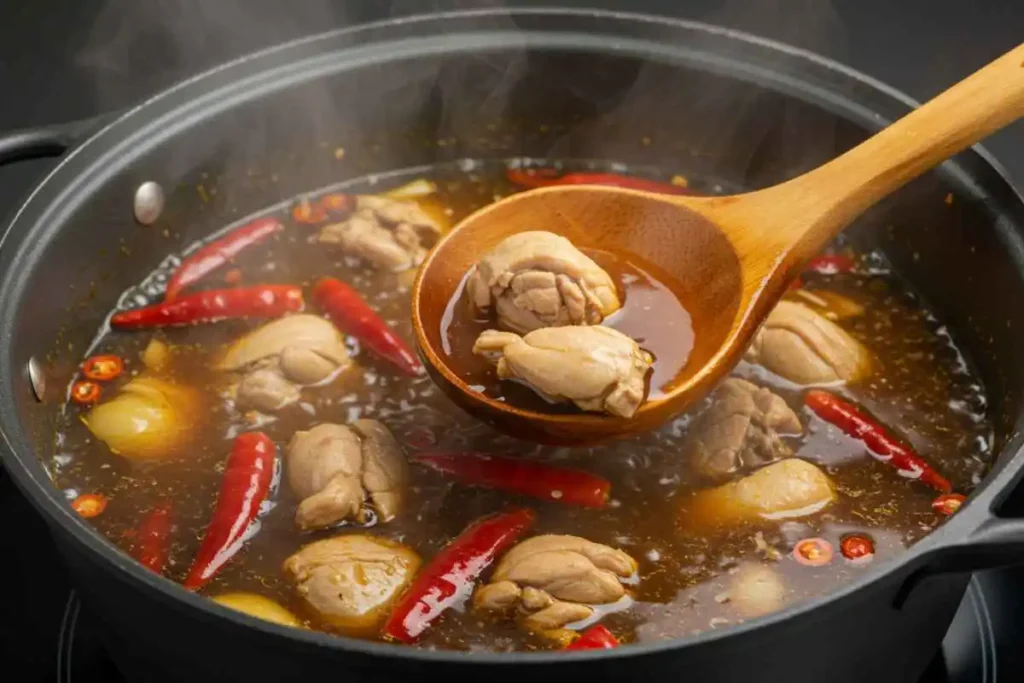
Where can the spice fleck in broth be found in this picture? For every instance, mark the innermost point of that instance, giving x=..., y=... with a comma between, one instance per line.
x=664, y=529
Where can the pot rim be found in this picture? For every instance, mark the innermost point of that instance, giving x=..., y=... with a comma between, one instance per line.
x=33, y=480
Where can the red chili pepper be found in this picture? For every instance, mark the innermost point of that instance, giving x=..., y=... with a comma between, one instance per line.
x=547, y=482
x=153, y=537
x=534, y=178
x=852, y=421
x=948, y=503
x=813, y=552
x=831, y=264
x=208, y=258
x=351, y=314
x=102, y=368
x=595, y=638
x=246, y=482
x=85, y=392
x=261, y=301
x=449, y=577
x=857, y=547
x=90, y=505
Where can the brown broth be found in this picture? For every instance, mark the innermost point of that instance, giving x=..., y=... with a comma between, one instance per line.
x=652, y=314
x=924, y=388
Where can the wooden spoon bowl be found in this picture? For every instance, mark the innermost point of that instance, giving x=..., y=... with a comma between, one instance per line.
x=733, y=256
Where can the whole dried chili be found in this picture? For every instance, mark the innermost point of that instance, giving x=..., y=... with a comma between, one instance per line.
x=830, y=264
x=538, y=480
x=883, y=446
x=208, y=258
x=595, y=638
x=246, y=482
x=153, y=537
x=449, y=577
x=261, y=301
x=534, y=178
x=346, y=309
x=103, y=368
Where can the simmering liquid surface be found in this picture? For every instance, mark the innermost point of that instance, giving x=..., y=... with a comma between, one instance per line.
x=921, y=387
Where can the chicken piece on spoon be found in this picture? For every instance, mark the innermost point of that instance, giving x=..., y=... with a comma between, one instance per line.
x=800, y=345
x=539, y=279
x=279, y=358
x=335, y=468
x=597, y=368
x=388, y=233
x=350, y=581
x=554, y=580
x=740, y=431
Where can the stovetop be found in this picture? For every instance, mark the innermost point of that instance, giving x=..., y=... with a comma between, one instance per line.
x=70, y=59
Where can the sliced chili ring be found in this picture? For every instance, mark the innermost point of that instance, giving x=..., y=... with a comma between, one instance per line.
x=90, y=505
x=103, y=368
x=813, y=552
x=948, y=503
x=308, y=212
x=857, y=547
x=85, y=392
x=335, y=203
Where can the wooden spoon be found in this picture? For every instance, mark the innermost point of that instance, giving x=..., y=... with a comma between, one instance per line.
x=734, y=255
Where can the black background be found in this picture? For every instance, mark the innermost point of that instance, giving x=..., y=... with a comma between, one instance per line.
x=62, y=60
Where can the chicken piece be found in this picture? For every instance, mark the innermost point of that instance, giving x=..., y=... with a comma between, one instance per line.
x=156, y=356
x=260, y=607
x=539, y=279
x=149, y=419
x=786, y=489
x=597, y=368
x=389, y=233
x=552, y=580
x=349, y=582
x=267, y=390
x=756, y=590
x=739, y=432
x=807, y=348
x=334, y=468
x=279, y=358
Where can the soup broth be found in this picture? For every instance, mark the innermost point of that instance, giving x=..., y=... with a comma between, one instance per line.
x=920, y=387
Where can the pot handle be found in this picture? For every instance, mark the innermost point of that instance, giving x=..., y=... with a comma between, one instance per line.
x=996, y=542
x=48, y=141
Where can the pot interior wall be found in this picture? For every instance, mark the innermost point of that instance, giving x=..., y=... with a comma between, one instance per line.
x=963, y=254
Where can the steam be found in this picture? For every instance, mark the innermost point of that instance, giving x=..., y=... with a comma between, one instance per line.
x=135, y=49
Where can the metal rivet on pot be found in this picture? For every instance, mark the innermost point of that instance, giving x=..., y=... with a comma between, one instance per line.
x=37, y=379
x=149, y=202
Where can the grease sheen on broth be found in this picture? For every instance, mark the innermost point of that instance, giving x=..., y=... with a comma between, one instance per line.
x=923, y=387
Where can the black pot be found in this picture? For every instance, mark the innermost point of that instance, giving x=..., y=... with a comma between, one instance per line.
x=721, y=105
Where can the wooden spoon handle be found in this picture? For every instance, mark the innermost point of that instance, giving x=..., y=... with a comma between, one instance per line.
x=827, y=199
